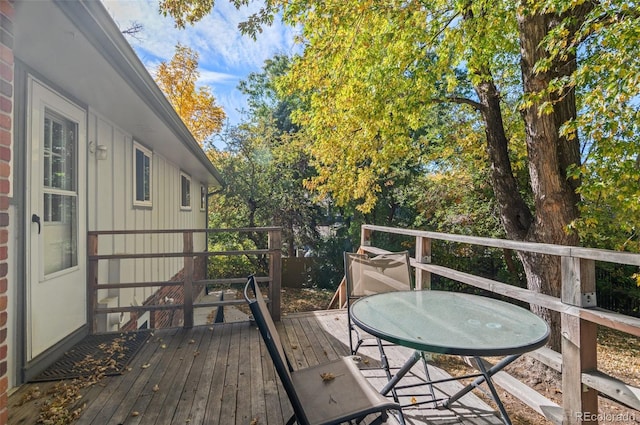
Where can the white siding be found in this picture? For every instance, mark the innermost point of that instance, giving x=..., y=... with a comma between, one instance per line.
x=110, y=207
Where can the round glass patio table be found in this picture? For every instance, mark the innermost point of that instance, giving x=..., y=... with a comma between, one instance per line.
x=450, y=323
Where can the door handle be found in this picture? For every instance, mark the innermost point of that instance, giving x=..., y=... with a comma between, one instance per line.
x=36, y=219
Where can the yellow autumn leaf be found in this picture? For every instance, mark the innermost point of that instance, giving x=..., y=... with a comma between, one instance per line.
x=327, y=376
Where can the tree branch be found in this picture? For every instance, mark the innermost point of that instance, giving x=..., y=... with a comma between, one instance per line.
x=460, y=100
x=133, y=31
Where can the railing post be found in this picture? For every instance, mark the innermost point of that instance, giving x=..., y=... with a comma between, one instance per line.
x=275, y=271
x=92, y=282
x=365, y=236
x=423, y=256
x=579, y=354
x=188, y=279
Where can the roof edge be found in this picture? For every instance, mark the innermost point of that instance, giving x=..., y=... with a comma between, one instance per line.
x=90, y=15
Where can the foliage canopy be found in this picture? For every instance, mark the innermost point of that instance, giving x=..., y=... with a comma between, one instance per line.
x=195, y=105
x=374, y=72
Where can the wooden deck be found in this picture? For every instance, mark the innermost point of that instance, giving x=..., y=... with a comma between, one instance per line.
x=222, y=374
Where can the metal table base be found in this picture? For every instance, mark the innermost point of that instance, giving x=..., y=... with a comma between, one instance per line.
x=483, y=376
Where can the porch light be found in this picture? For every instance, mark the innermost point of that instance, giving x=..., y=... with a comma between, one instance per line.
x=101, y=152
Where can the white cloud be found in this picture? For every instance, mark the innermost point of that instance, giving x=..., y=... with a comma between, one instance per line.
x=214, y=77
x=226, y=56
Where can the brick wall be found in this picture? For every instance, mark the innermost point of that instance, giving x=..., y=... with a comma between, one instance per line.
x=6, y=127
x=169, y=318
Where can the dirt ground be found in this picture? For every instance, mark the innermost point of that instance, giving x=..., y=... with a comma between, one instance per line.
x=618, y=356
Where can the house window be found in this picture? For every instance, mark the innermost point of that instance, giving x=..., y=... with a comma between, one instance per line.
x=203, y=198
x=59, y=171
x=185, y=192
x=142, y=175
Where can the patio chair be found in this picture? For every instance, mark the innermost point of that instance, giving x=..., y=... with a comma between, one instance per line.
x=368, y=275
x=330, y=393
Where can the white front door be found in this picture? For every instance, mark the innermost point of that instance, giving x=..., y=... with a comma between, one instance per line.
x=56, y=219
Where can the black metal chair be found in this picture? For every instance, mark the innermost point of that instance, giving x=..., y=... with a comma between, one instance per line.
x=331, y=393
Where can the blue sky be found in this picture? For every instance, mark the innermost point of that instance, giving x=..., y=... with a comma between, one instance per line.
x=226, y=56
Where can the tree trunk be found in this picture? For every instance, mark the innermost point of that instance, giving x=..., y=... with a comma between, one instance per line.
x=549, y=156
x=542, y=271
x=543, y=276
x=514, y=212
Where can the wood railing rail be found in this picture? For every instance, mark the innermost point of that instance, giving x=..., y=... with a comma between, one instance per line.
x=580, y=318
x=191, y=286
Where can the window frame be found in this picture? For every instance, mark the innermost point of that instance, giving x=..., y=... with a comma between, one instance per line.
x=55, y=212
x=187, y=177
x=147, y=154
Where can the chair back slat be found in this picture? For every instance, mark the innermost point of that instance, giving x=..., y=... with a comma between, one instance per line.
x=373, y=275
x=272, y=341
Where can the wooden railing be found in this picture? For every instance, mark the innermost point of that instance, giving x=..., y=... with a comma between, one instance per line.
x=580, y=318
x=183, y=270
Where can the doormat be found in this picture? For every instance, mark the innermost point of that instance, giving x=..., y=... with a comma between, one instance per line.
x=100, y=354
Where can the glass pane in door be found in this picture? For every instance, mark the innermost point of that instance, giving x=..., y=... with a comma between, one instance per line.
x=59, y=221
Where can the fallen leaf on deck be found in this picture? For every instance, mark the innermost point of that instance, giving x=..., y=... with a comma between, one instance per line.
x=327, y=376
x=156, y=388
x=136, y=413
x=146, y=365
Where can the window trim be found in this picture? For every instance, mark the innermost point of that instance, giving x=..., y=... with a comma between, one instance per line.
x=188, y=178
x=149, y=154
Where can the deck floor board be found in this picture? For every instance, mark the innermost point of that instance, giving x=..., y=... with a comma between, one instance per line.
x=222, y=374
x=214, y=400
